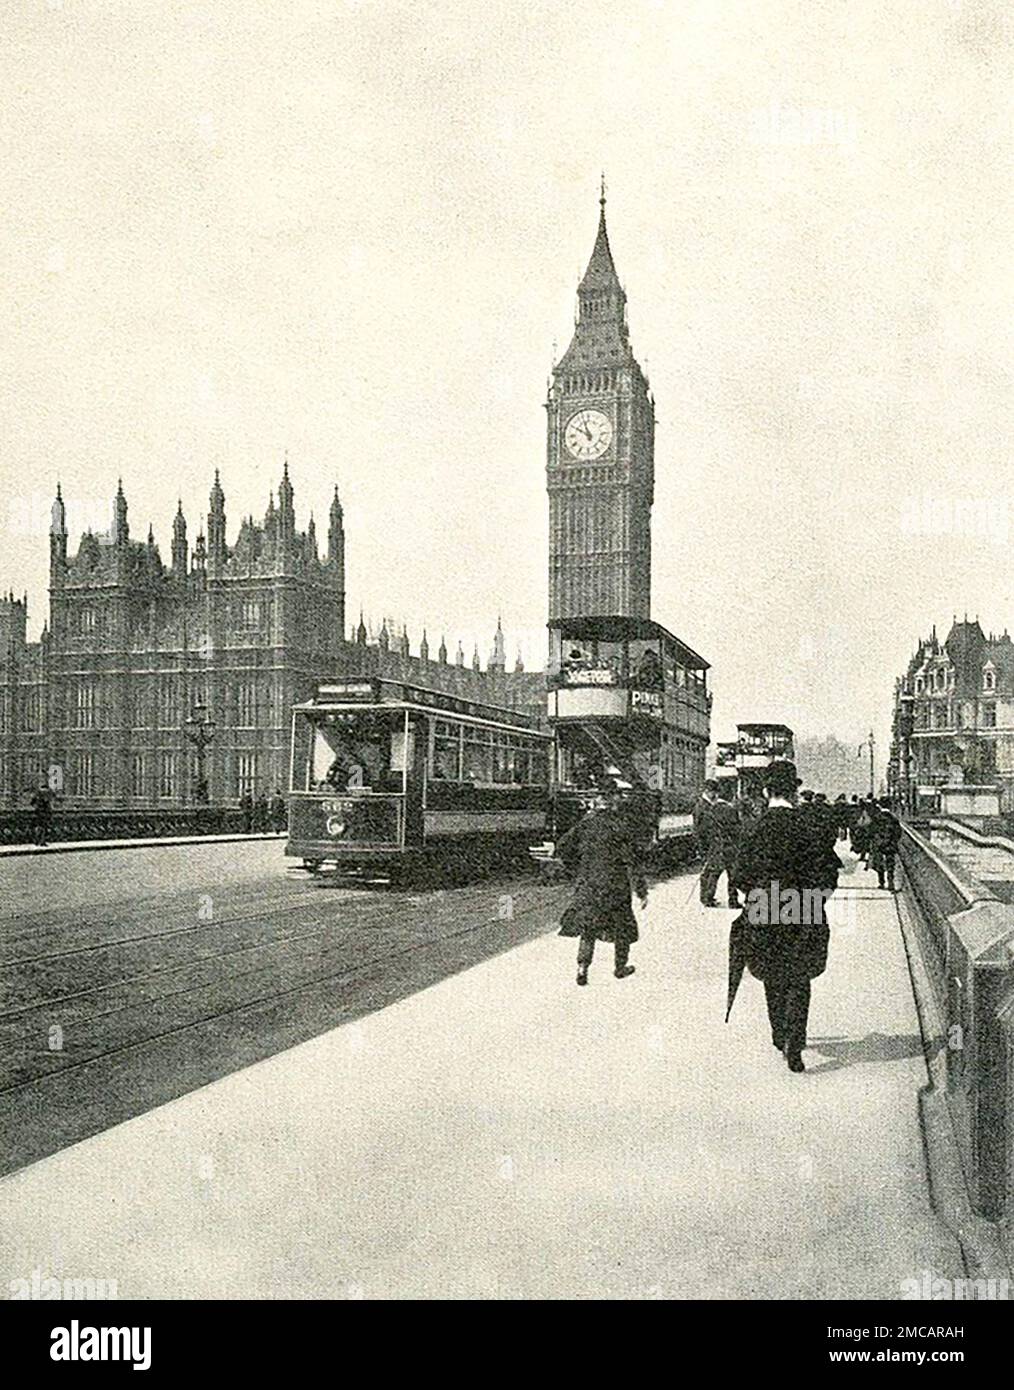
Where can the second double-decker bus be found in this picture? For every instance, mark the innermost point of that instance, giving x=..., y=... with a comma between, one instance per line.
x=756, y=747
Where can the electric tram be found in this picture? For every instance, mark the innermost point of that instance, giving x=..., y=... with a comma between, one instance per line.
x=399, y=782
x=629, y=706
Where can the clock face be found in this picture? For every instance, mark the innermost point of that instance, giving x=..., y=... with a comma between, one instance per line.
x=588, y=434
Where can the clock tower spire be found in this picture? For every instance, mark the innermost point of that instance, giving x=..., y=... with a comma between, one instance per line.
x=600, y=456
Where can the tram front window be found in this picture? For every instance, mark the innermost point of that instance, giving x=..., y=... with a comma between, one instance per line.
x=357, y=752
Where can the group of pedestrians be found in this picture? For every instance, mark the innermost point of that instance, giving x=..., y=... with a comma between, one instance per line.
x=870, y=827
x=777, y=847
x=874, y=833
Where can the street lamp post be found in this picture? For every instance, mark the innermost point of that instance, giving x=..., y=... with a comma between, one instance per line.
x=200, y=732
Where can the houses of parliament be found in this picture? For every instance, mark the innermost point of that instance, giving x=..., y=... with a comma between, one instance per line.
x=136, y=647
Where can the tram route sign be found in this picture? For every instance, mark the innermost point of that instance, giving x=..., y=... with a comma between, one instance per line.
x=348, y=690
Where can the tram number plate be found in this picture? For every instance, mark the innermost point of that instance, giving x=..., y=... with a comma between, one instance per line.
x=347, y=820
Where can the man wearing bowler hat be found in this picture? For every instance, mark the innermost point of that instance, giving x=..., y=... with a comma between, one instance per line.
x=787, y=870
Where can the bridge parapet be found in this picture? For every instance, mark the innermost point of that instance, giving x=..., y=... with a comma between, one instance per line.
x=19, y=827
x=987, y=855
x=970, y=935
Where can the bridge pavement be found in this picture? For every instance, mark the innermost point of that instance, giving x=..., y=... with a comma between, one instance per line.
x=506, y=1134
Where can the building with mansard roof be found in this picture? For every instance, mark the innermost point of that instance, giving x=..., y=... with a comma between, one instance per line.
x=955, y=707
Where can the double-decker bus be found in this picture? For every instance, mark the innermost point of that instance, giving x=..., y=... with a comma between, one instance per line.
x=755, y=748
x=629, y=706
x=399, y=782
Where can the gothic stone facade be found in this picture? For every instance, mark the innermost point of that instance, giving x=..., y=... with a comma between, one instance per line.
x=100, y=704
x=98, y=707
x=600, y=457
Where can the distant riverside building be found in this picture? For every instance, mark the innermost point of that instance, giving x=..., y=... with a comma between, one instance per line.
x=600, y=469
x=954, y=715
x=237, y=632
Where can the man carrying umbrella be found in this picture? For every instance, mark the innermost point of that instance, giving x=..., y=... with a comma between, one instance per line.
x=787, y=871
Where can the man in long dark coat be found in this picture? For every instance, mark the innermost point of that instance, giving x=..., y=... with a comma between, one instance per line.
x=726, y=822
x=608, y=867
x=788, y=872
x=709, y=843
x=885, y=837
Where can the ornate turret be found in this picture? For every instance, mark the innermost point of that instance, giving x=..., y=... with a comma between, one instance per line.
x=384, y=640
x=152, y=559
x=442, y=652
x=336, y=532
x=121, y=531
x=179, y=548
x=459, y=656
x=403, y=643
x=57, y=537
x=216, y=523
x=424, y=647
x=361, y=633
x=498, y=661
x=476, y=665
x=286, y=510
x=311, y=540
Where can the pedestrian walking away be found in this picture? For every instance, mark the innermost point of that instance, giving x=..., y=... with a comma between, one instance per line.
x=885, y=837
x=728, y=828
x=608, y=870
x=709, y=843
x=788, y=872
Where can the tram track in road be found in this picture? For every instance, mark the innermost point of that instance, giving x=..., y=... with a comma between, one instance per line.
x=155, y=911
x=193, y=932
x=17, y=1023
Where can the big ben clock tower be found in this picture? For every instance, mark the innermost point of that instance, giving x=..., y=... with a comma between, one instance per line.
x=600, y=457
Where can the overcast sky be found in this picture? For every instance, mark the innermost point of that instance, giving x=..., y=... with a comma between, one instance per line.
x=354, y=230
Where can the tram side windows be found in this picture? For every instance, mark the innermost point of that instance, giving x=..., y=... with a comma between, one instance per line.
x=477, y=757
x=446, y=763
